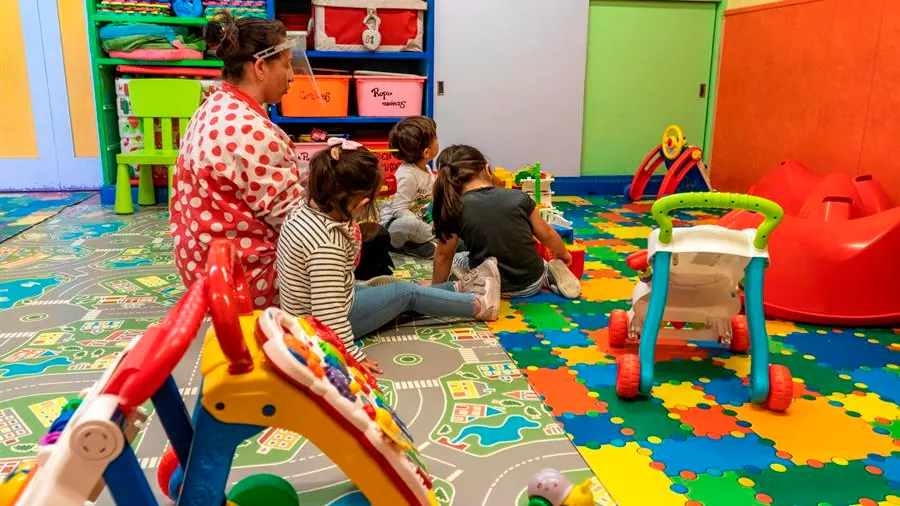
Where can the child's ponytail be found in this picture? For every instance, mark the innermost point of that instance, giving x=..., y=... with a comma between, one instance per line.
x=338, y=176
x=457, y=165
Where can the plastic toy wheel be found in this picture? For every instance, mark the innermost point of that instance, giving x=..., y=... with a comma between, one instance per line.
x=618, y=328
x=781, y=388
x=628, y=377
x=263, y=490
x=167, y=466
x=672, y=142
x=740, y=334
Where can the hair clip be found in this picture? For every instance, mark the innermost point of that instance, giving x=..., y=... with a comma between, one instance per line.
x=345, y=144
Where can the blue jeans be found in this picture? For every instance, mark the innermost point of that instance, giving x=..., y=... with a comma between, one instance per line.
x=375, y=306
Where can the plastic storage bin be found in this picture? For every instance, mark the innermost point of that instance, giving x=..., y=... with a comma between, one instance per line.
x=369, y=25
x=383, y=151
x=302, y=101
x=306, y=150
x=385, y=94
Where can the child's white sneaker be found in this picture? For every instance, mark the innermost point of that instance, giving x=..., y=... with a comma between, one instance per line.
x=484, y=282
x=563, y=280
x=473, y=281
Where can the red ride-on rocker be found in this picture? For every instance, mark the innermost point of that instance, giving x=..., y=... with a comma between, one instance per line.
x=685, y=170
x=835, y=255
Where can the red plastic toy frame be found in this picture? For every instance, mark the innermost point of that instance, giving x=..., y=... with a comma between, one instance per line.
x=225, y=293
x=229, y=297
x=145, y=368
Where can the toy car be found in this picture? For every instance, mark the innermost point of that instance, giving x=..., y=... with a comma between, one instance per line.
x=694, y=280
x=550, y=488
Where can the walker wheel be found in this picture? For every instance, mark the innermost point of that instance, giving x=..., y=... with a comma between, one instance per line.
x=618, y=328
x=740, y=334
x=628, y=376
x=167, y=466
x=781, y=388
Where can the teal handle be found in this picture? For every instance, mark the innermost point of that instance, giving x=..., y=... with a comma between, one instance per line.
x=714, y=200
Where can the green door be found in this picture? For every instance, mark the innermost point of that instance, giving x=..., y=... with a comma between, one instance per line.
x=648, y=66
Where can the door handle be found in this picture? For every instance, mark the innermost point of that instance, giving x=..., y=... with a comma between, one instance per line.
x=702, y=90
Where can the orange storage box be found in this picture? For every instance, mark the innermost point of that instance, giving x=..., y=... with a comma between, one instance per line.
x=302, y=101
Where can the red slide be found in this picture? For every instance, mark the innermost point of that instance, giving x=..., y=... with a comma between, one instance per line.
x=834, y=259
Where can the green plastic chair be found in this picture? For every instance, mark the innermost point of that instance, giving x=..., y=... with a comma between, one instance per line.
x=152, y=100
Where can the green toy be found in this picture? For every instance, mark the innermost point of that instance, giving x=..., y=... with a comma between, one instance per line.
x=263, y=490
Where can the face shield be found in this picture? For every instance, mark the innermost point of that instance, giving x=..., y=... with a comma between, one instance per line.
x=299, y=62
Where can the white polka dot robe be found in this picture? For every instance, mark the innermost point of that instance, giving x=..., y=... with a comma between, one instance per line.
x=236, y=178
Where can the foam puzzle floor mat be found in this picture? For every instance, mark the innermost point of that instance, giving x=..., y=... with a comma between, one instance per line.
x=698, y=440
x=21, y=211
x=77, y=288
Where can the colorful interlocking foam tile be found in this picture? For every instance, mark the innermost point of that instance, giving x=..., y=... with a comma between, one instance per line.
x=21, y=211
x=698, y=440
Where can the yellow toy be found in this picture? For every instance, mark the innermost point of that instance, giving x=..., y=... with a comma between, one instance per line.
x=505, y=177
x=550, y=488
x=260, y=369
x=15, y=482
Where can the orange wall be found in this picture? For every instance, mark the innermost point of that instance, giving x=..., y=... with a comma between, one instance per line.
x=815, y=80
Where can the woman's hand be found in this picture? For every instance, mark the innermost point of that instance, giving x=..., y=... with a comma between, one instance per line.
x=371, y=366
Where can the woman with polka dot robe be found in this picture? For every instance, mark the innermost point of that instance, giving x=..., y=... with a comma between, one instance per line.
x=237, y=174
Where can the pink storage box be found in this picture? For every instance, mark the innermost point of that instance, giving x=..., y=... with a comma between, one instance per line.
x=385, y=94
x=306, y=150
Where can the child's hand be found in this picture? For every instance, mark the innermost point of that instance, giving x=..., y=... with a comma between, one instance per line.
x=565, y=257
x=371, y=366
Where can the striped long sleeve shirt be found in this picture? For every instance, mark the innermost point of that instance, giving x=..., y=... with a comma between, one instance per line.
x=315, y=260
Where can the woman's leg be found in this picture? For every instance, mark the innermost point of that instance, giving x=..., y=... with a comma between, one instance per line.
x=375, y=306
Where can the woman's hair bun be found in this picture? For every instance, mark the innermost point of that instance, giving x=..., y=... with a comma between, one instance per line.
x=221, y=31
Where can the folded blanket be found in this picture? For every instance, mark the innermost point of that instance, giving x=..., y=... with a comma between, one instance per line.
x=150, y=42
x=158, y=54
x=132, y=36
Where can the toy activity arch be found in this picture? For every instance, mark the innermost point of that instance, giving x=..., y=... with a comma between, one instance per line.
x=260, y=369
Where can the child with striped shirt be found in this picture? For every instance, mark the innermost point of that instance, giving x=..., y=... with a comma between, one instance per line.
x=319, y=248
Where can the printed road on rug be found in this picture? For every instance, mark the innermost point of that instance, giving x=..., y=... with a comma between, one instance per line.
x=21, y=211
x=76, y=289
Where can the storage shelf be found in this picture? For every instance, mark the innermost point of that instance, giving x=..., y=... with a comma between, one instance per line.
x=367, y=55
x=140, y=18
x=174, y=63
x=343, y=120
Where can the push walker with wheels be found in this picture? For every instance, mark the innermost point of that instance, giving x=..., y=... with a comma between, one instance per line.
x=693, y=286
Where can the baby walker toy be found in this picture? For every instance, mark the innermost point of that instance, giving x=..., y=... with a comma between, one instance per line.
x=679, y=159
x=550, y=488
x=694, y=279
x=260, y=369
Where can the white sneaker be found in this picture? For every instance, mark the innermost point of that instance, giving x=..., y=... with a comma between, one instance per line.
x=562, y=278
x=473, y=281
x=489, y=301
x=484, y=282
